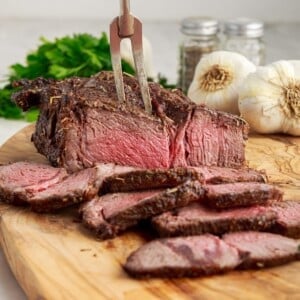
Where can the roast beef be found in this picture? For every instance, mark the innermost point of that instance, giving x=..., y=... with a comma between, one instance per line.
x=46, y=188
x=207, y=254
x=144, y=179
x=76, y=188
x=129, y=208
x=240, y=194
x=288, y=218
x=281, y=217
x=214, y=139
x=196, y=219
x=113, y=213
x=165, y=178
x=82, y=123
x=184, y=256
x=21, y=180
x=216, y=175
x=265, y=249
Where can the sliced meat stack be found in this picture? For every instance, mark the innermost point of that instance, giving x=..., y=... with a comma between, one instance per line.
x=165, y=178
x=129, y=208
x=113, y=213
x=81, y=123
x=46, y=188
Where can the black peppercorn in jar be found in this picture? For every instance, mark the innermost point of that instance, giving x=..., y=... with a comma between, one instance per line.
x=200, y=37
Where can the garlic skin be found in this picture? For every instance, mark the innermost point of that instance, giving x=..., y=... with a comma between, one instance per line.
x=217, y=80
x=270, y=98
x=126, y=54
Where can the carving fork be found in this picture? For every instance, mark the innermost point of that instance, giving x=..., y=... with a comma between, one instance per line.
x=128, y=26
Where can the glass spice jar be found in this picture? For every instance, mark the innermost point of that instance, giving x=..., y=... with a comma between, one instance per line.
x=200, y=37
x=245, y=36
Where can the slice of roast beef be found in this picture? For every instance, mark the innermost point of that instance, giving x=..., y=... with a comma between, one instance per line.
x=195, y=219
x=288, y=218
x=149, y=179
x=265, y=249
x=21, y=180
x=82, y=123
x=46, y=188
x=184, y=256
x=113, y=213
x=240, y=194
x=214, y=139
x=217, y=175
x=166, y=178
x=76, y=188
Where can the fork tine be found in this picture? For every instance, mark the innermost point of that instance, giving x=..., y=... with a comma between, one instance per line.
x=115, y=42
x=127, y=26
x=137, y=49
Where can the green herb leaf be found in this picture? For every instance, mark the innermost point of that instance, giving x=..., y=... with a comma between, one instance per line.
x=163, y=81
x=79, y=55
x=31, y=115
x=7, y=108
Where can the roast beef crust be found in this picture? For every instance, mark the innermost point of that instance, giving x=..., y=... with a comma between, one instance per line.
x=143, y=179
x=113, y=225
x=64, y=106
x=149, y=179
x=167, y=225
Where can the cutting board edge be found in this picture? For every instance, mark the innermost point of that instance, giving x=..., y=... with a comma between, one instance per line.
x=21, y=273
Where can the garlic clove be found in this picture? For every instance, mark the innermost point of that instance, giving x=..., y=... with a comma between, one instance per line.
x=269, y=99
x=217, y=79
x=291, y=126
x=270, y=119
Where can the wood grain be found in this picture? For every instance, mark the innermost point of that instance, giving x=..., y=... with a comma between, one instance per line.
x=54, y=257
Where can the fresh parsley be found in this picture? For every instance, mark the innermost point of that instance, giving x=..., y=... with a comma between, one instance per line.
x=79, y=55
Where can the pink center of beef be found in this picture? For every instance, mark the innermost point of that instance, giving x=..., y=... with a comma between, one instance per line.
x=30, y=176
x=113, y=137
x=114, y=203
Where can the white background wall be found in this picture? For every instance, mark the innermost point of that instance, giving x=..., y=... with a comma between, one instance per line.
x=268, y=10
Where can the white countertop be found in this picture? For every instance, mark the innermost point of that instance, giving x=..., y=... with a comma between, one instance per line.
x=17, y=37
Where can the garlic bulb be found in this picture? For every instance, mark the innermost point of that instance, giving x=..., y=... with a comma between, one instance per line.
x=270, y=98
x=126, y=54
x=217, y=79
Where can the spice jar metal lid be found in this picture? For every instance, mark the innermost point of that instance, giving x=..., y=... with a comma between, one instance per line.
x=200, y=26
x=244, y=27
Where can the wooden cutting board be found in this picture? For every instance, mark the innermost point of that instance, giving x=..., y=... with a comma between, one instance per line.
x=54, y=257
